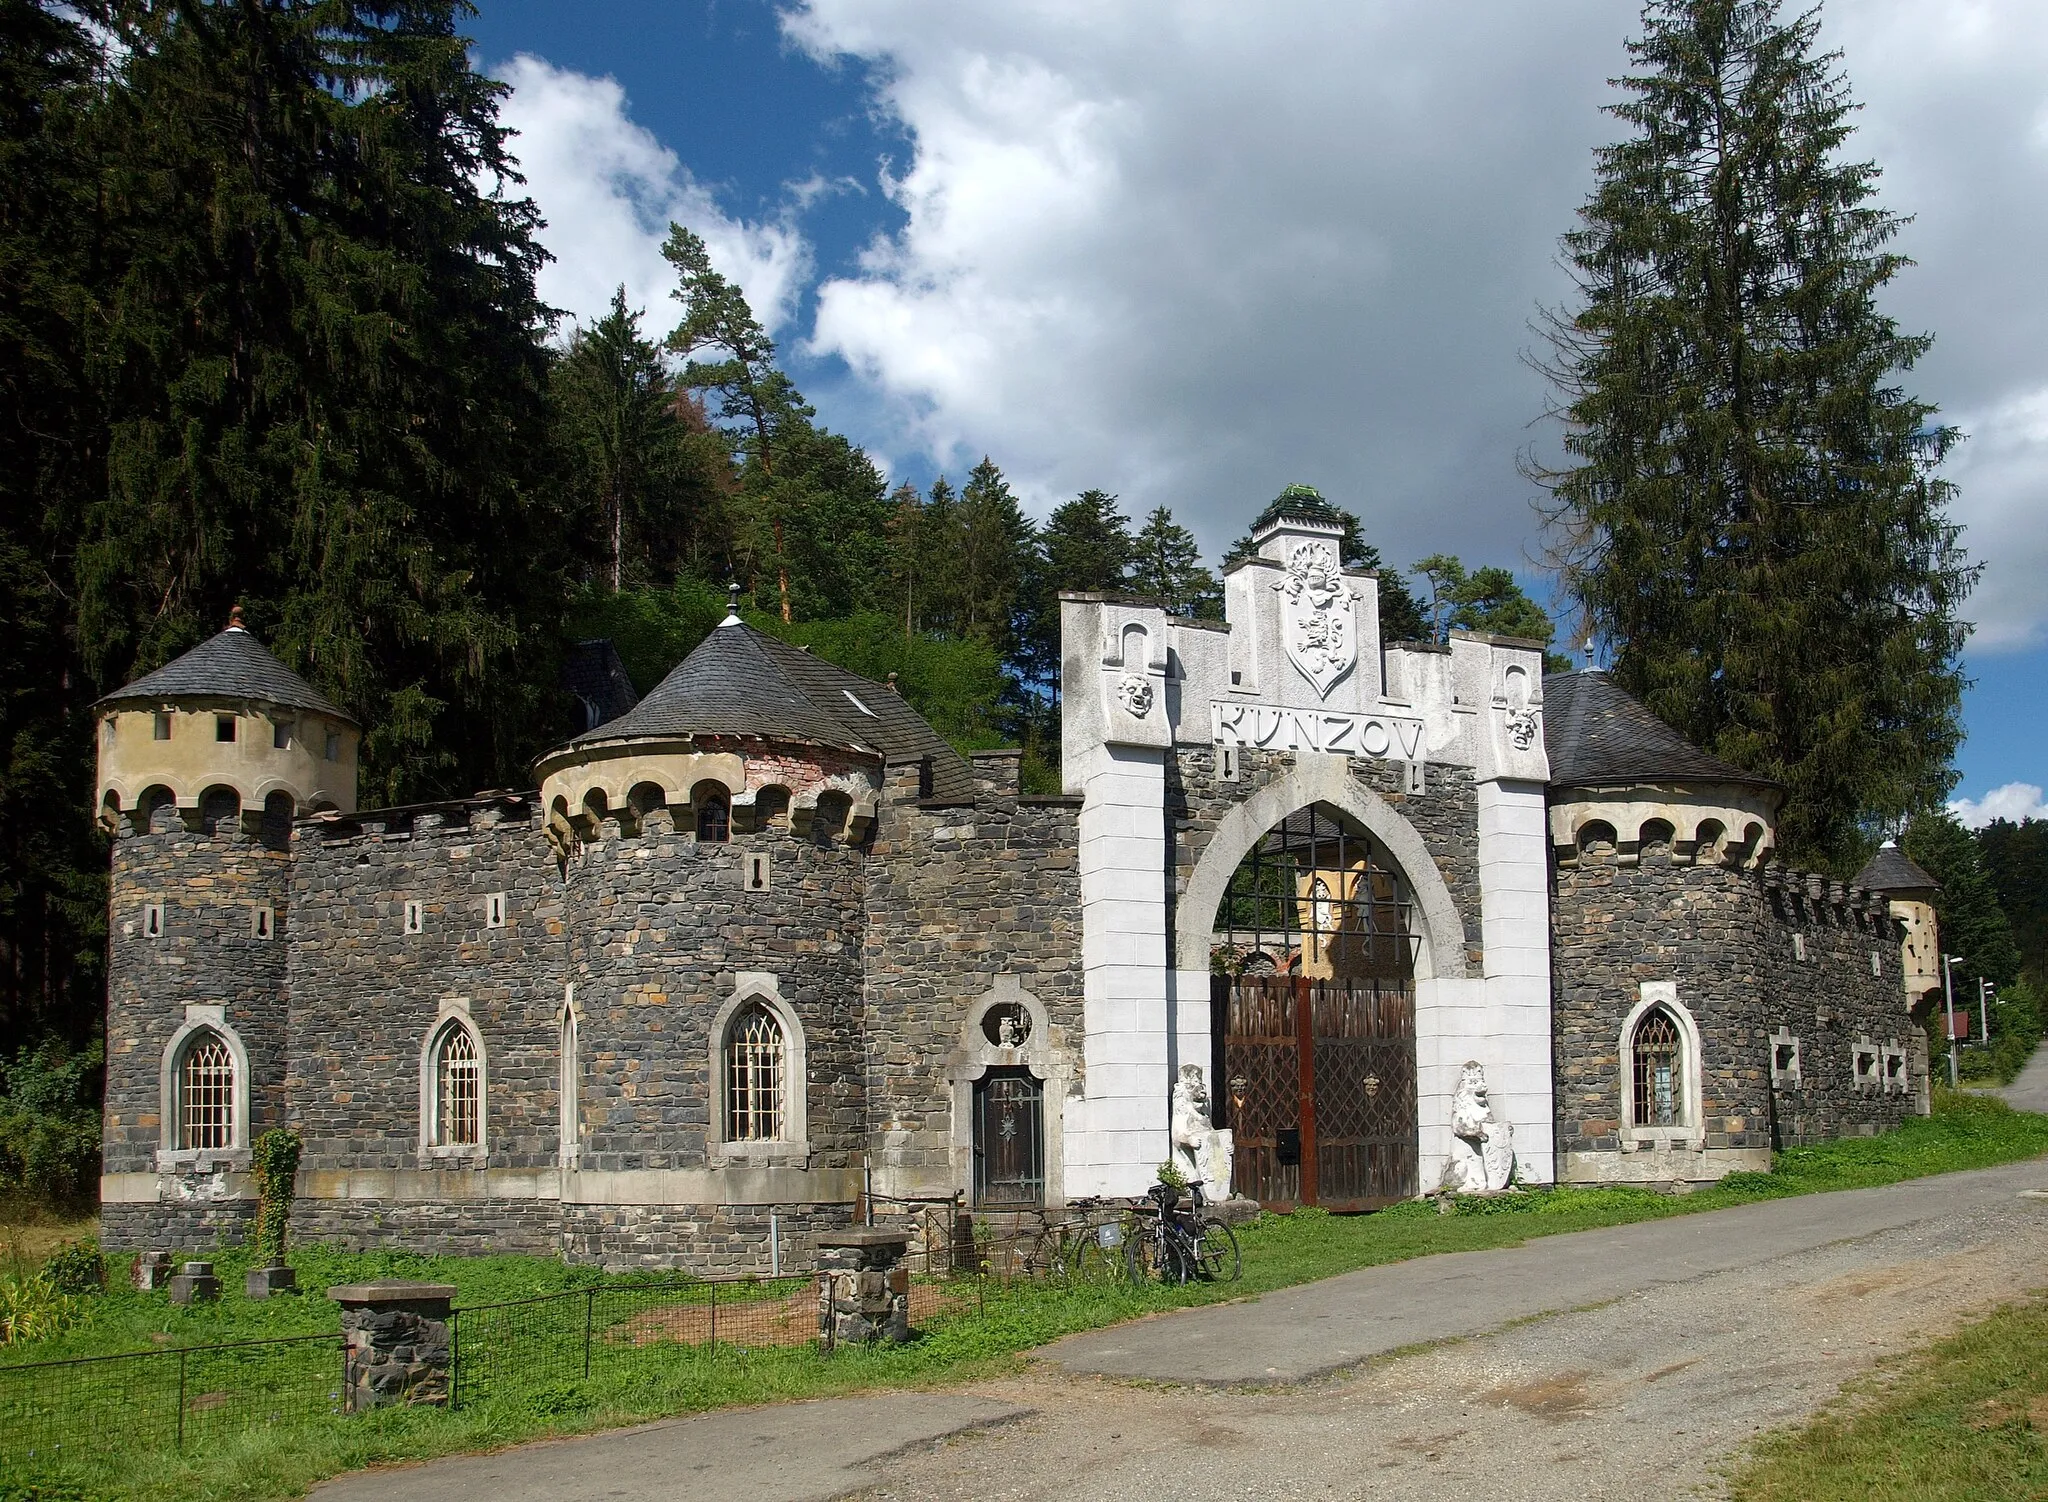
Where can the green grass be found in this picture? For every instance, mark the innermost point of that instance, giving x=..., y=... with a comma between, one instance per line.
x=1967, y=1418
x=976, y=1338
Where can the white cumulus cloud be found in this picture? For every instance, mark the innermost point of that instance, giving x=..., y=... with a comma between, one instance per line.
x=608, y=190
x=1191, y=252
x=2014, y=801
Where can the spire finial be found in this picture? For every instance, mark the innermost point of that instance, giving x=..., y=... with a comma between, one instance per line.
x=235, y=619
x=732, y=604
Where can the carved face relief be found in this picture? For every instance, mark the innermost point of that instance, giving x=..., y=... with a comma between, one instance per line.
x=1135, y=694
x=1522, y=728
x=1317, y=615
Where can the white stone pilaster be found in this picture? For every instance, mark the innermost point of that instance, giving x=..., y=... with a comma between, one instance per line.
x=1515, y=1021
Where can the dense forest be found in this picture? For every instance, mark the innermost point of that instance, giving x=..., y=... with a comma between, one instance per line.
x=269, y=336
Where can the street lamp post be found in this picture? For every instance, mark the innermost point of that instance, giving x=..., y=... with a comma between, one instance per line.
x=1983, y=1011
x=1948, y=993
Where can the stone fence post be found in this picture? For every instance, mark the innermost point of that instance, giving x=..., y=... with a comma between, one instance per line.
x=863, y=1288
x=395, y=1342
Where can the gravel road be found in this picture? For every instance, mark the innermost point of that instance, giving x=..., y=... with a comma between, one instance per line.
x=1648, y=1394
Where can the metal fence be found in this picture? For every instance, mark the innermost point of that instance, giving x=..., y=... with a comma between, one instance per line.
x=560, y=1338
x=169, y=1399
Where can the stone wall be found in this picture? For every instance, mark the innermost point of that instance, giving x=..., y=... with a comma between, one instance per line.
x=959, y=894
x=1722, y=936
x=208, y=956
x=366, y=995
x=1847, y=990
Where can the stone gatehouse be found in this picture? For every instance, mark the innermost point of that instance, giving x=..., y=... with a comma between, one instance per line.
x=764, y=944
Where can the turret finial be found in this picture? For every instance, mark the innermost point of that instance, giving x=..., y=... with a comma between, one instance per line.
x=235, y=619
x=732, y=604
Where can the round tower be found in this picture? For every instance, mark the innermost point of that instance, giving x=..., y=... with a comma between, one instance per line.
x=1910, y=891
x=224, y=731
x=203, y=764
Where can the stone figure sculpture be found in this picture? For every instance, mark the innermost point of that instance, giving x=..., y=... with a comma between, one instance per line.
x=1482, y=1147
x=1198, y=1144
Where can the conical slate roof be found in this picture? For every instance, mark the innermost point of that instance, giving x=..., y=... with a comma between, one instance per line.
x=231, y=665
x=1892, y=870
x=740, y=681
x=1597, y=735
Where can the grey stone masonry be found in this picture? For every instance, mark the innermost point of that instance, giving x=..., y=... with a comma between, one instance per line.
x=958, y=894
x=396, y=1344
x=1753, y=957
x=204, y=955
x=863, y=1287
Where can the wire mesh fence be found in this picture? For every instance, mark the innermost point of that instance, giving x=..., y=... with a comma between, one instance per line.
x=568, y=1337
x=170, y=1399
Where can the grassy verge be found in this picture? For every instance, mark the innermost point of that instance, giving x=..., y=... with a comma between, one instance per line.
x=979, y=1333
x=1967, y=1418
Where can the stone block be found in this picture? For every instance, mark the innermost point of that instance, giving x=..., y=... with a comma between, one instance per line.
x=194, y=1283
x=262, y=1282
x=152, y=1270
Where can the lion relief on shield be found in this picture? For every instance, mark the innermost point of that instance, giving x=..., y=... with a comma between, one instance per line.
x=1317, y=615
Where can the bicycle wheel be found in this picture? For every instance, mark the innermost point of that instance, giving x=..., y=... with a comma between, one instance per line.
x=1143, y=1254
x=1092, y=1261
x=1216, y=1255
x=1049, y=1256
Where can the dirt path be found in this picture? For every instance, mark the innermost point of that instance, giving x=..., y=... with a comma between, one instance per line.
x=1649, y=1394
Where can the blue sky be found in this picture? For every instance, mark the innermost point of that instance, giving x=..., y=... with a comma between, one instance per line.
x=1192, y=253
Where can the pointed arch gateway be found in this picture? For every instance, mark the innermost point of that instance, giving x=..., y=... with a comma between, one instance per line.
x=1313, y=957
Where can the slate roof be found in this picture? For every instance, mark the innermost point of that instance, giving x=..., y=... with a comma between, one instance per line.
x=592, y=671
x=740, y=681
x=231, y=665
x=1892, y=870
x=1598, y=735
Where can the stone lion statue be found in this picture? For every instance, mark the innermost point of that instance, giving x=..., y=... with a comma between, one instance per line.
x=1482, y=1147
x=1198, y=1145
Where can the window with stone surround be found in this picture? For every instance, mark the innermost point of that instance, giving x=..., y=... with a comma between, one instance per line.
x=754, y=1077
x=714, y=816
x=206, y=1094
x=1657, y=1058
x=571, y=1114
x=1784, y=1059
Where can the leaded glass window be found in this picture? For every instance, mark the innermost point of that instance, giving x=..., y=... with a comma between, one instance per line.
x=754, y=1063
x=458, y=1090
x=1658, y=1061
x=206, y=1095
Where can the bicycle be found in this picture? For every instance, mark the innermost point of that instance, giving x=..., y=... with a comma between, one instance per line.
x=1181, y=1245
x=1072, y=1251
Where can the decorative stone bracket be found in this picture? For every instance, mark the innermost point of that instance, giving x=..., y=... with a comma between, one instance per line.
x=395, y=1342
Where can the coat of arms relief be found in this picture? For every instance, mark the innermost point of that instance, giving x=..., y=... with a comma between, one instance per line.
x=1318, y=621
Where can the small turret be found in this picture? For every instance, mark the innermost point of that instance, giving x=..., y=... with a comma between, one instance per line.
x=1893, y=875
x=225, y=731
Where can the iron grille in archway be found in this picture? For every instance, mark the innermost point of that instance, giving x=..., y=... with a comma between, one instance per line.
x=1313, y=965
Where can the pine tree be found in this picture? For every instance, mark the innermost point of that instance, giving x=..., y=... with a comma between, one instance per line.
x=2015, y=860
x=1167, y=565
x=1973, y=924
x=1485, y=599
x=1401, y=618
x=1750, y=514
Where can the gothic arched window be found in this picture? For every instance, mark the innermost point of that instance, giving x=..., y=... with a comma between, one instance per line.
x=755, y=1077
x=1657, y=1059
x=206, y=1093
x=458, y=1089
x=714, y=816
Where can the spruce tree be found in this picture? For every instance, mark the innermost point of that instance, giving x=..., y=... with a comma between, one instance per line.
x=1167, y=565
x=994, y=540
x=637, y=469
x=320, y=350
x=1749, y=513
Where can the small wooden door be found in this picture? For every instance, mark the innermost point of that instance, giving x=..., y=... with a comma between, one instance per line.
x=1325, y=1072
x=1009, y=1139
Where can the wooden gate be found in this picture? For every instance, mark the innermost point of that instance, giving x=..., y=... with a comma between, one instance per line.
x=1321, y=1083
